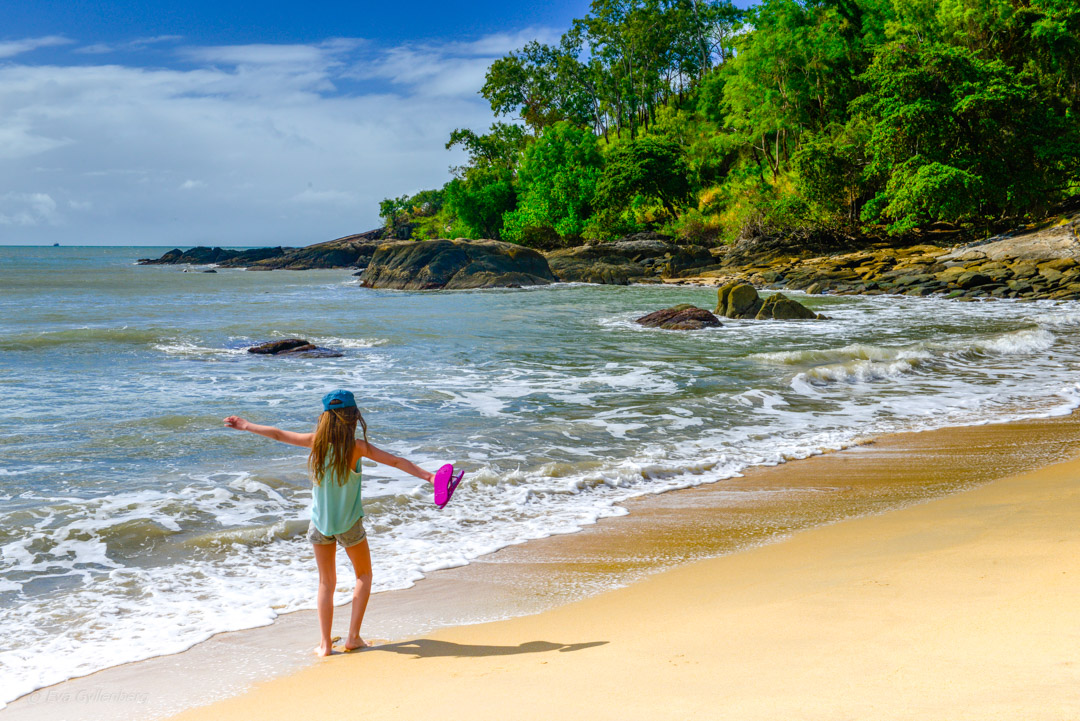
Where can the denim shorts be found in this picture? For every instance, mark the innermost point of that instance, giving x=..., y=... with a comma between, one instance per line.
x=346, y=539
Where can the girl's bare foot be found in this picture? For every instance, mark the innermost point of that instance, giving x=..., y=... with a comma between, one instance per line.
x=325, y=649
x=355, y=643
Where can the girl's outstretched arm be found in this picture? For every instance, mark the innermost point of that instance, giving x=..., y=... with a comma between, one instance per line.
x=389, y=459
x=293, y=439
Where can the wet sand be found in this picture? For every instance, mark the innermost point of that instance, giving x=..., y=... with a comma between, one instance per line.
x=960, y=607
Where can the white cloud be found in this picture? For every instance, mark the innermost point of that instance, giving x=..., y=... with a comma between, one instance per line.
x=498, y=44
x=97, y=49
x=292, y=158
x=27, y=209
x=12, y=48
x=319, y=55
x=430, y=73
x=130, y=45
x=447, y=69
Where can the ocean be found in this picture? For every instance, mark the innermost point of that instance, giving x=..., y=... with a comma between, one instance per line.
x=133, y=524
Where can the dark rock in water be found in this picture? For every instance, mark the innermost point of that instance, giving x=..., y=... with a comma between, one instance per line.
x=622, y=262
x=277, y=346
x=680, y=317
x=779, y=307
x=738, y=300
x=295, y=347
x=741, y=300
x=211, y=270
x=169, y=257
x=455, y=264
x=196, y=256
x=312, y=351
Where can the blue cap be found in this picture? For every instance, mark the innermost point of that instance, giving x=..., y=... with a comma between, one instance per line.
x=343, y=398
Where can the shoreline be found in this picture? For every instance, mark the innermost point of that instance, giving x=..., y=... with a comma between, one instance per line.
x=662, y=532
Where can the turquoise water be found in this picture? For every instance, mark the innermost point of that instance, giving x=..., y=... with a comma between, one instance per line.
x=134, y=525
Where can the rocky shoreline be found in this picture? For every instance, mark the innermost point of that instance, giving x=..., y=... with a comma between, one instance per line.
x=1038, y=262
x=1032, y=264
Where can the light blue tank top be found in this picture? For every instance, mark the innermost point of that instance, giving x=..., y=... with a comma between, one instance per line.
x=335, y=508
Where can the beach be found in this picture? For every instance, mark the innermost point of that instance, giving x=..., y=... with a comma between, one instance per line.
x=961, y=606
x=752, y=328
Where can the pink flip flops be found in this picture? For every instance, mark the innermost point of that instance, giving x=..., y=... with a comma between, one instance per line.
x=446, y=484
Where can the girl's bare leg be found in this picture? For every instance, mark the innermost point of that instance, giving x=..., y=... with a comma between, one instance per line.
x=360, y=555
x=325, y=554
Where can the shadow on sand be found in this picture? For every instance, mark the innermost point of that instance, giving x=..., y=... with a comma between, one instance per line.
x=426, y=648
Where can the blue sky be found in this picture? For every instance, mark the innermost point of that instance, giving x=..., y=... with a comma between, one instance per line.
x=237, y=123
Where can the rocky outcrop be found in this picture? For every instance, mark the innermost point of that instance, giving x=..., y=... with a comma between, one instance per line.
x=351, y=251
x=1058, y=241
x=455, y=264
x=680, y=317
x=622, y=262
x=1042, y=262
x=294, y=347
x=202, y=255
x=741, y=300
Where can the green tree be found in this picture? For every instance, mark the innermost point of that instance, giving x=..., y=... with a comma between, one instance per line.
x=484, y=188
x=797, y=72
x=479, y=200
x=556, y=183
x=541, y=83
x=830, y=170
x=498, y=149
x=958, y=137
x=652, y=168
x=1040, y=37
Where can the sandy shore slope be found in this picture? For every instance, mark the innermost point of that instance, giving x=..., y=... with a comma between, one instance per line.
x=966, y=607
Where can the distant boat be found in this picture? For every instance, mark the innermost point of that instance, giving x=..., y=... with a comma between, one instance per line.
x=56, y=245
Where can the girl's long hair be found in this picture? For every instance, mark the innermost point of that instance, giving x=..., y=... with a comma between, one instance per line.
x=331, y=449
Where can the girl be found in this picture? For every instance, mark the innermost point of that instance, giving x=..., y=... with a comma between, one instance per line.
x=336, y=511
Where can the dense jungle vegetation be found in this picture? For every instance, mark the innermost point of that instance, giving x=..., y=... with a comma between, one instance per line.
x=703, y=121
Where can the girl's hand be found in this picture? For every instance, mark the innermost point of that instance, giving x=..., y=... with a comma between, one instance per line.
x=236, y=422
